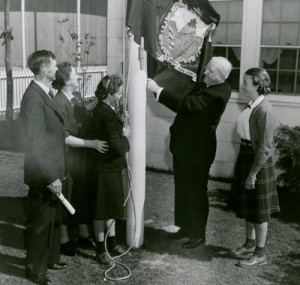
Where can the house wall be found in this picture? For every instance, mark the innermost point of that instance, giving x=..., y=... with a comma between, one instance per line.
x=159, y=119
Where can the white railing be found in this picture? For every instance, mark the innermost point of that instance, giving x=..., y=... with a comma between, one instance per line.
x=22, y=78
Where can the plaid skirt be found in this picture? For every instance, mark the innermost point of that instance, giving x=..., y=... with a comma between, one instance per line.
x=255, y=205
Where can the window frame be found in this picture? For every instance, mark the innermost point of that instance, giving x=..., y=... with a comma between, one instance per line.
x=251, y=47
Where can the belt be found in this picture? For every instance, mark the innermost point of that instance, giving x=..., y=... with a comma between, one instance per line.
x=245, y=142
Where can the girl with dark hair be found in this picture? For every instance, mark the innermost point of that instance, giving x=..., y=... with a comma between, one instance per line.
x=107, y=168
x=76, y=120
x=254, y=185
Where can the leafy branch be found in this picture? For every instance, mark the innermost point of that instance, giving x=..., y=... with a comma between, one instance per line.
x=82, y=46
x=5, y=35
x=80, y=52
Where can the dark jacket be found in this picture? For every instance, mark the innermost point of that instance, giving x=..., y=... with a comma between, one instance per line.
x=105, y=125
x=74, y=114
x=198, y=116
x=44, y=138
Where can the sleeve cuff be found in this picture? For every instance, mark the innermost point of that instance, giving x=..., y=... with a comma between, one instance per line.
x=158, y=93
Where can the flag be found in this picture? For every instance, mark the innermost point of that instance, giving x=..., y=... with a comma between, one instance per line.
x=176, y=38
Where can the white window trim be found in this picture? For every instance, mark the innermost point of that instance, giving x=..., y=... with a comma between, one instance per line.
x=251, y=46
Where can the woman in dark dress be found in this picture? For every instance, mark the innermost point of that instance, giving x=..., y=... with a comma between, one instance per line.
x=107, y=167
x=76, y=121
x=254, y=184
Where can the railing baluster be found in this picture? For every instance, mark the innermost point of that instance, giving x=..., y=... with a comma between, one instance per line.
x=23, y=77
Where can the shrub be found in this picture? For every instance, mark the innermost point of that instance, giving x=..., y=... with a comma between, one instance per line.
x=287, y=145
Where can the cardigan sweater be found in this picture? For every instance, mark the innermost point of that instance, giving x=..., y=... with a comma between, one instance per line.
x=261, y=127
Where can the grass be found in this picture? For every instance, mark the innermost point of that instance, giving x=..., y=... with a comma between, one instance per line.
x=159, y=261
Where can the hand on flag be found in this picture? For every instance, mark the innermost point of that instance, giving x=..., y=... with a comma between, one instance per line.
x=152, y=86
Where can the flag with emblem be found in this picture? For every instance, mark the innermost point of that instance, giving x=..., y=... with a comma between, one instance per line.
x=176, y=38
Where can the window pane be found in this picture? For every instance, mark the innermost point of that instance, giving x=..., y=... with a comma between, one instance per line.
x=288, y=34
x=234, y=79
x=269, y=58
x=219, y=51
x=219, y=35
x=234, y=56
x=273, y=77
x=229, y=30
x=229, y=35
x=221, y=8
x=291, y=11
x=235, y=34
x=288, y=59
x=271, y=10
x=286, y=82
x=270, y=34
x=234, y=11
x=298, y=84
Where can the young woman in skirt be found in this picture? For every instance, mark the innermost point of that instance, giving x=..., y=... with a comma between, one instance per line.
x=107, y=167
x=254, y=185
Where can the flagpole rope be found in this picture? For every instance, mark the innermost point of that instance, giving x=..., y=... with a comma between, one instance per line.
x=129, y=195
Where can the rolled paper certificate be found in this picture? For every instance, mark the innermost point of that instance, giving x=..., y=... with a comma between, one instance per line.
x=66, y=203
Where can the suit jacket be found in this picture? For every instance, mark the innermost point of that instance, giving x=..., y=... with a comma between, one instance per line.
x=105, y=125
x=44, y=136
x=75, y=114
x=198, y=116
x=261, y=127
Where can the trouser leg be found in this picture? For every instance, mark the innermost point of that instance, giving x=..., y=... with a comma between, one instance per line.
x=41, y=219
x=181, y=215
x=198, y=203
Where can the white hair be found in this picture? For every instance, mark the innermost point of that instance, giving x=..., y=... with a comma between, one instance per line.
x=223, y=66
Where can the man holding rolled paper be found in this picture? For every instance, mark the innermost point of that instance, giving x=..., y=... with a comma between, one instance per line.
x=44, y=169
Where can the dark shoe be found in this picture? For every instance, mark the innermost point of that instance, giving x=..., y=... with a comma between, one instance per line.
x=103, y=258
x=58, y=266
x=253, y=261
x=178, y=235
x=241, y=251
x=193, y=243
x=39, y=279
x=87, y=243
x=119, y=250
x=68, y=249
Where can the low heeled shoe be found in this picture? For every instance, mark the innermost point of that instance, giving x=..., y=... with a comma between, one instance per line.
x=87, y=243
x=253, y=261
x=242, y=250
x=69, y=249
x=193, y=243
x=103, y=258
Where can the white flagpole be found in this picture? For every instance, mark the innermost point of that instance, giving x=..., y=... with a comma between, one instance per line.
x=137, y=156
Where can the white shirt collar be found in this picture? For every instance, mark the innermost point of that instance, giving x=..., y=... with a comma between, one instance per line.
x=252, y=105
x=45, y=88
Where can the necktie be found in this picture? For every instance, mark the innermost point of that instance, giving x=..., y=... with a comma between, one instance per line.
x=51, y=94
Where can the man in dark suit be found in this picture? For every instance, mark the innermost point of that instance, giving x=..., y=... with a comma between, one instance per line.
x=193, y=145
x=44, y=168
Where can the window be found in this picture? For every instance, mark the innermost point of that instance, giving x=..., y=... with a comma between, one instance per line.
x=227, y=37
x=280, y=45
